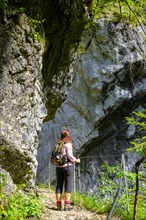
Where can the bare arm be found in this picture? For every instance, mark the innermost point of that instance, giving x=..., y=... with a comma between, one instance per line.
x=69, y=153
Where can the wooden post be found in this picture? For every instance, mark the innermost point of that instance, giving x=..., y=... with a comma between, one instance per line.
x=114, y=203
x=49, y=176
x=79, y=181
x=74, y=184
x=125, y=179
x=109, y=216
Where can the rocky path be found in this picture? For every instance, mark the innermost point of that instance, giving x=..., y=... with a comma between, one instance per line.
x=77, y=213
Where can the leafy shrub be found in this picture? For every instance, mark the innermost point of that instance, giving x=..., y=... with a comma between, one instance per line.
x=19, y=206
x=3, y=4
x=112, y=178
x=109, y=183
x=130, y=11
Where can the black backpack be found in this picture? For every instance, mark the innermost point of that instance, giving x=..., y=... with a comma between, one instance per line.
x=58, y=157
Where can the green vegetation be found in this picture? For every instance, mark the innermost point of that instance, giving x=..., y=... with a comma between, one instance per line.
x=3, y=4
x=139, y=145
x=131, y=202
x=18, y=205
x=129, y=11
x=94, y=203
x=38, y=30
x=140, y=148
x=110, y=182
x=37, y=24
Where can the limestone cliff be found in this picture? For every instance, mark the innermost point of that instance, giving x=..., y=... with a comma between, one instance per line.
x=37, y=40
x=22, y=108
x=88, y=88
x=109, y=82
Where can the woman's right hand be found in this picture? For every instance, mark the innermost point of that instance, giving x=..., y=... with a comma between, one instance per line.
x=77, y=160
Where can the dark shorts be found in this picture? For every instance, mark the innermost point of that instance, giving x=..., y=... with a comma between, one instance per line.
x=64, y=178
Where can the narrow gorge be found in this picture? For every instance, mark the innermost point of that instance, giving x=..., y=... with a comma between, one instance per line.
x=56, y=72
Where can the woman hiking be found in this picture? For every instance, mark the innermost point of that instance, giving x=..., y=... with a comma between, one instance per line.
x=65, y=173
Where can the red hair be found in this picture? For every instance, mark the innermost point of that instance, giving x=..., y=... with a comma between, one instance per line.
x=65, y=136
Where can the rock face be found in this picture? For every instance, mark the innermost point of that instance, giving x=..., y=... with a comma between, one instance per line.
x=7, y=185
x=109, y=83
x=29, y=70
x=22, y=108
x=98, y=88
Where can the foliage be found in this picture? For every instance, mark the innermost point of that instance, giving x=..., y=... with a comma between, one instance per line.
x=37, y=25
x=130, y=11
x=95, y=203
x=3, y=4
x=19, y=206
x=2, y=183
x=139, y=145
x=112, y=178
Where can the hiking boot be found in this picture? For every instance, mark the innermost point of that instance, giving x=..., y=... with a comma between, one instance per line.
x=59, y=207
x=67, y=206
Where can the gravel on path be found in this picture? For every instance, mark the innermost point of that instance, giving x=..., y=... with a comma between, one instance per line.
x=77, y=213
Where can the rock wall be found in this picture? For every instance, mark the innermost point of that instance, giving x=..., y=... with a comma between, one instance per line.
x=7, y=185
x=21, y=104
x=29, y=73
x=109, y=83
x=98, y=88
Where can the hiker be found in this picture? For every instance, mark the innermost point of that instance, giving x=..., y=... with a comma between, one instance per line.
x=65, y=173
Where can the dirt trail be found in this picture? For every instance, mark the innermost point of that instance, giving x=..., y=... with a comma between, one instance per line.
x=77, y=213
